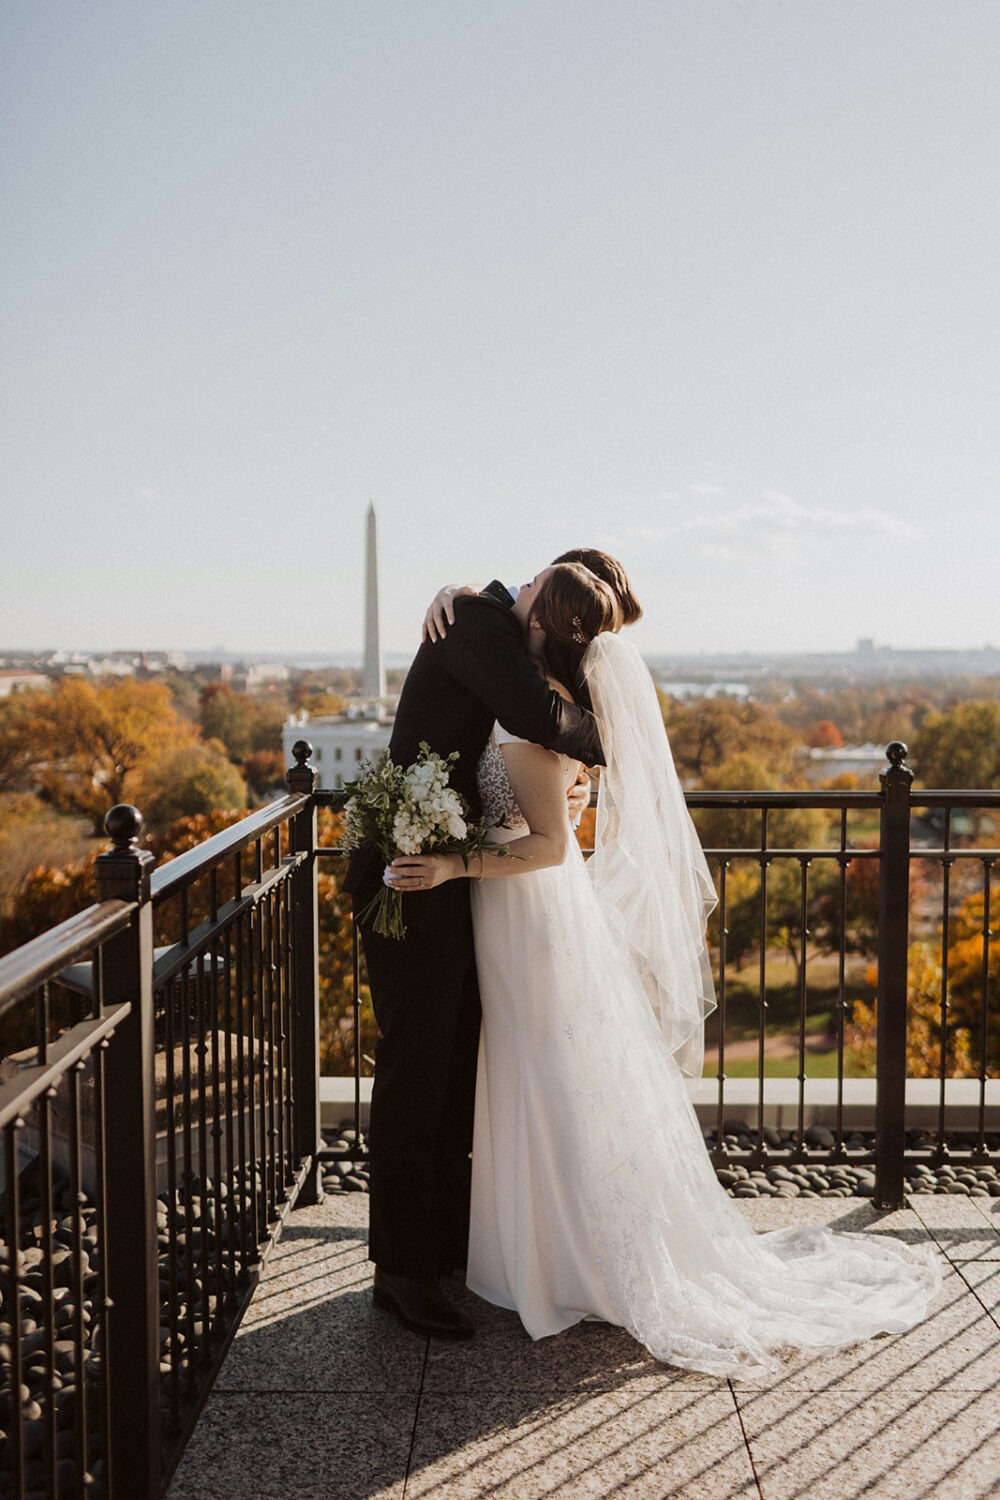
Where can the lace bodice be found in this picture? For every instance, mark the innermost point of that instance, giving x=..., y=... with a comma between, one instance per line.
x=500, y=808
x=499, y=803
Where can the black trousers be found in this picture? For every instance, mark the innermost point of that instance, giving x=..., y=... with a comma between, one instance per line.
x=426, y=1003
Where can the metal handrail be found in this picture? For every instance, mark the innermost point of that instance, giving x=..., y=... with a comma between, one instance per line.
x=194, y=863
x=43, y=957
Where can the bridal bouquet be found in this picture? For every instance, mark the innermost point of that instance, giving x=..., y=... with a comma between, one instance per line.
x=408, y=810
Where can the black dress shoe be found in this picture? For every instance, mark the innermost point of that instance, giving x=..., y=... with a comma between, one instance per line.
x=421, y=1306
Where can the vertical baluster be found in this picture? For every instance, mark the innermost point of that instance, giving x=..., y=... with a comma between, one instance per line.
x=180, y=985
x=942, y=1152
x=803, y=991
x=288, y=1096
x=78, y=1201
x=253, y=979
x=265, y=1059
x=356, y=1021
x=893, y=938
x=42, y=1022
x=203, y=1226
x=302, y=778
x=760, y=1149
x=232, y=1166
x=47, y=1244
x=170, y=1029
x=243, y=1094
x=267, y=1078
x=216, y=962
x=721, y=1151
x=980, y=1152
x=100, y=1299
x=280, y=1160
x=15, y=1414
x=278, y=1070
x=133, y=1456
x=843, y=863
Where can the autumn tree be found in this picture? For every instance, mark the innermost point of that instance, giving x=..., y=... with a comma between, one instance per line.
x=319, y=702
x=264, y=772
x=960, y=748
x=226, y=716
x=708, y=732
x=188, y=781
x=826, y=736
x=16, y=752
x=89, y=740
x=735, y=828
x=923, y=1023
x=336, y=963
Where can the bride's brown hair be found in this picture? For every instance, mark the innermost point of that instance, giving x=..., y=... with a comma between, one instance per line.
x=572, y=606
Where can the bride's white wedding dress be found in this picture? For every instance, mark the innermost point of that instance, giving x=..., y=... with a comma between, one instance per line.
x=592, y=1192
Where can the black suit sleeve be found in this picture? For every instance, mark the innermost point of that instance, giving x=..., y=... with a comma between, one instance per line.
x=483, y=651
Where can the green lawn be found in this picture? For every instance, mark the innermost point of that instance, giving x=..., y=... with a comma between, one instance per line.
x=818, y=1065
x=782, y=1019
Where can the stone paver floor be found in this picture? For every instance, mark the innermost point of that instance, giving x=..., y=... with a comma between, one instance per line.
x=321, y=1396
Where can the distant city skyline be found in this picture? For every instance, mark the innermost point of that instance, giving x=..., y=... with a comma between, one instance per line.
x=711, y=286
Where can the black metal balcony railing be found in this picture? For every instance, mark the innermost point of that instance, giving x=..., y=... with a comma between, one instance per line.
x=161, y=1117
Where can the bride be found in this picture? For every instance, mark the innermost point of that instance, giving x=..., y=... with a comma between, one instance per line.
x=592, y=1193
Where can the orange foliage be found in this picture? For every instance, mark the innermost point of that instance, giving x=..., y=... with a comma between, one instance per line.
x=826, y=736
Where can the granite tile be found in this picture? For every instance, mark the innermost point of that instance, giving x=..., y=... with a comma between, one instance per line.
x=847, y=1214
x=647, y=1439
x=339, y=1446
x=892, y=1444
x=312, y=1326
x=502, y=1357
x=963, y=1229
x=983, y=1278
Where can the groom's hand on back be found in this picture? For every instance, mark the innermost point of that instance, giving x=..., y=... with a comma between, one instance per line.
x=441, y=611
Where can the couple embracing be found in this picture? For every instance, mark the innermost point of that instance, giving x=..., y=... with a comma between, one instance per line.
x=530, y=1123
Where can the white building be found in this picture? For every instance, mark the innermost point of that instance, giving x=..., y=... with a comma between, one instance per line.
x=341, y=742
x=15, y=681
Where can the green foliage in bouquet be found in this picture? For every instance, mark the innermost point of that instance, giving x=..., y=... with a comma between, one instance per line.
x=408, y=810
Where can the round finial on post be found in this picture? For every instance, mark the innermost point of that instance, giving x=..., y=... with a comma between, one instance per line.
x=896, y=754
x=303, y=776
x=122, y=824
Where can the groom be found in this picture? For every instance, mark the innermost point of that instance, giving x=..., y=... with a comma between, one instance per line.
x=424, y=988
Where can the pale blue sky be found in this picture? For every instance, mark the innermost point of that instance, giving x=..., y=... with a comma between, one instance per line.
x=711, y=283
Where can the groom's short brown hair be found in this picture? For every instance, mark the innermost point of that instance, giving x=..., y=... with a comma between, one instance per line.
x=611, y=570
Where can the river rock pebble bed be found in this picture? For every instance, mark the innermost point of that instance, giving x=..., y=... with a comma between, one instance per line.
x=190, y=1229
x=788, y=1173
x=345, y=1175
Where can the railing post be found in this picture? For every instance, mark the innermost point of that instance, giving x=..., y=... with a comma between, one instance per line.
x=134, y=1469
x=302, y=778
x=893, y=943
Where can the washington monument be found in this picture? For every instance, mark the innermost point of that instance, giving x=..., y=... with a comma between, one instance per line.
x=372, y=668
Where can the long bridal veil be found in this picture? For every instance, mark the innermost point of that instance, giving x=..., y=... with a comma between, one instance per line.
x=648, y=870
x=681, y=1266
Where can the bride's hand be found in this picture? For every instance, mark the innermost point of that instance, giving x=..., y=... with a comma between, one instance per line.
x=578, y=797
x=422, y=872
x=441, y=611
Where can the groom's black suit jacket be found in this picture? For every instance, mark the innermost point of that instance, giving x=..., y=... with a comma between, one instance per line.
x=424, y=987
x=454, y=691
